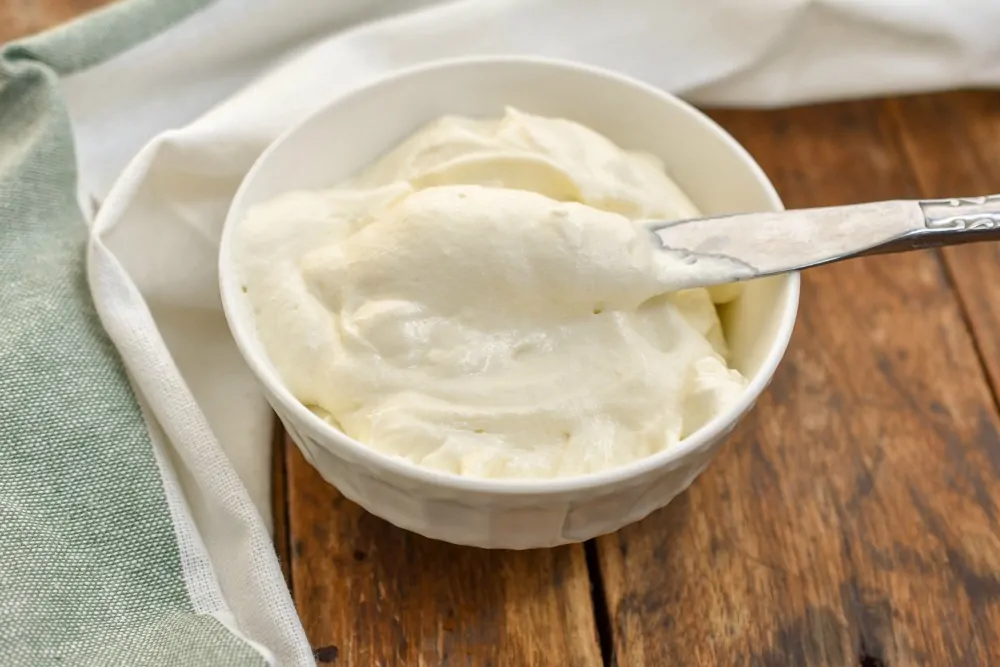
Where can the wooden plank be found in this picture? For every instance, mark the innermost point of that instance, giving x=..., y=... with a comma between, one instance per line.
x=369, y=593
x=852, y=518
x=24, y=17
x=953, y=142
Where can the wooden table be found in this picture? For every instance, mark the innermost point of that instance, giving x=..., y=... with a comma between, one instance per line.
x=851, y=520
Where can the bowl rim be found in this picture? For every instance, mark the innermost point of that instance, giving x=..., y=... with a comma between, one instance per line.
x=665, y=459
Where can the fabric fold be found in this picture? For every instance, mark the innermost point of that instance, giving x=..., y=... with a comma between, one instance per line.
x=157, y=516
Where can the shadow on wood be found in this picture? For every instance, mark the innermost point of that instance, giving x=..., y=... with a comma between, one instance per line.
x=372, y=593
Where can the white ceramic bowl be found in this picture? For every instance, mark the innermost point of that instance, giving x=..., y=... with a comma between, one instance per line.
x=354, y=130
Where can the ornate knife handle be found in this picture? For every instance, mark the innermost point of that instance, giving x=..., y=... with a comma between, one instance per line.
x=951, y=222
x=966, y=213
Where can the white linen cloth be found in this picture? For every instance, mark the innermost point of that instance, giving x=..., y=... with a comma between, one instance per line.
x=166, y=131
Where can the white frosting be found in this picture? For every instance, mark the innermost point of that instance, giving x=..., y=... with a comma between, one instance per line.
x=480, y=301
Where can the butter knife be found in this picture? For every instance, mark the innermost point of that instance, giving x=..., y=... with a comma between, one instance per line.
x=732, y=248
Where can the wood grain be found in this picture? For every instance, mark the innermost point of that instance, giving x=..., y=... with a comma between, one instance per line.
x=24, y=17
x=953, y=143
x=372, y=594
x=852, y=519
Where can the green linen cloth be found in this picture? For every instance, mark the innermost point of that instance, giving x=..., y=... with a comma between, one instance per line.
x=90, y=569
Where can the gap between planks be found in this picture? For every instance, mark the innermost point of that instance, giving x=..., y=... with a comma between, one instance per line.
x=929, y=190
x=599, y=604
x=717, y=577
x=865, y=655
x=279, y=502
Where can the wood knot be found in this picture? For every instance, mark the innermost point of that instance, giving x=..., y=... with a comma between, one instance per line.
x=326, y=654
